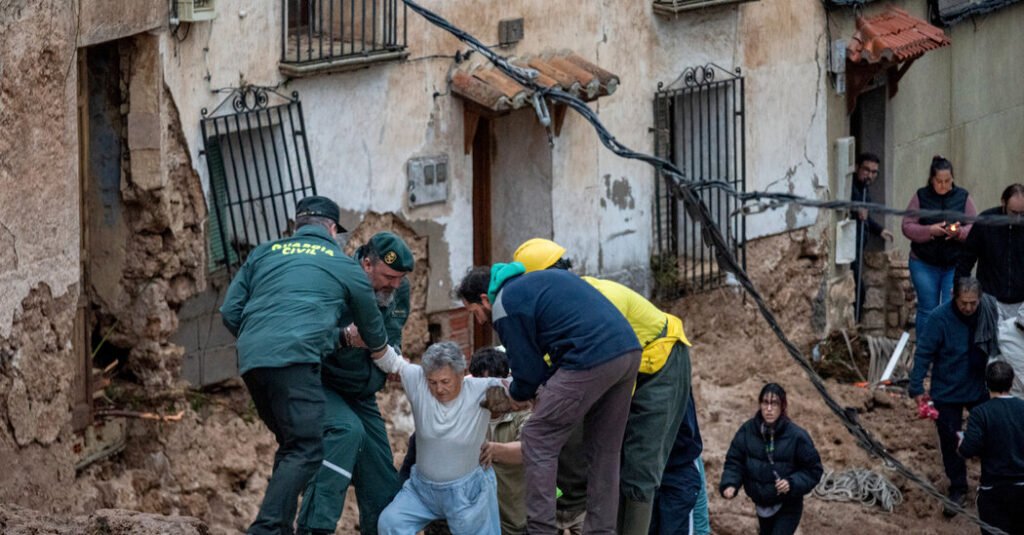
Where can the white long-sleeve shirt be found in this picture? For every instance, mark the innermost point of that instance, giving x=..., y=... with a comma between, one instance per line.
x=448, y=435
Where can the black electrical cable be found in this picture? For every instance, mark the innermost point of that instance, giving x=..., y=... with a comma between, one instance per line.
x=712, y=235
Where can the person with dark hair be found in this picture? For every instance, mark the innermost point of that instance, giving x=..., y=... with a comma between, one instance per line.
x=936, y=243
x=995, y=434
x=502, y=447
x=563, y=334
x=775, y=462
x=948, y=347
x=285, y=305
x=662, y=389
x=867, y=172
x=356, y=447
x=999, y=252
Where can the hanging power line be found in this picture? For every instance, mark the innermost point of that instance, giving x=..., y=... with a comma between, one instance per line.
x=685, y=191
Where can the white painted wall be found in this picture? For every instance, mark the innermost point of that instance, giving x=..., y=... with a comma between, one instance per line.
x=365, y=125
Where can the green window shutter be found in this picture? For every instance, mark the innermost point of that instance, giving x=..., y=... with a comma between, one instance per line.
x=218, y=230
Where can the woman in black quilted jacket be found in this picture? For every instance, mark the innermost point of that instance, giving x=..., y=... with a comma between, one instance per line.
x=775, y=462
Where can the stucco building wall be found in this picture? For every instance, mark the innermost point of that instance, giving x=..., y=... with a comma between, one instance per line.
x=365, y=125
x=963, y=101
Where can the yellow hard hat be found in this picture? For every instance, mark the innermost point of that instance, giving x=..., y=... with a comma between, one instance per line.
x=538, y=254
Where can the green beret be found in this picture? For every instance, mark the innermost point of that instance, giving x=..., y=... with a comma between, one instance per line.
x=392, y=251
x=316, y=205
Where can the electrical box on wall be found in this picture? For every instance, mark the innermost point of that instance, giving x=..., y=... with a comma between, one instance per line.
x=846, y=160
x=838, y=65
x=196, y=10
x=428, y=180
x=510, y=31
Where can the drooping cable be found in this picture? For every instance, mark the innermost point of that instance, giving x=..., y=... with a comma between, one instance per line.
x=712, y=235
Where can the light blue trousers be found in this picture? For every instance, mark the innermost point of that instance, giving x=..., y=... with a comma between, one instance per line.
x=469, y=504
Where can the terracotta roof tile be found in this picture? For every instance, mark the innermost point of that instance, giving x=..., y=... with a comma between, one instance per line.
x=894, y=36
x=490, y=88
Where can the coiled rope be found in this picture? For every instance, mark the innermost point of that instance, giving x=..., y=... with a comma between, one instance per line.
x=859, y=485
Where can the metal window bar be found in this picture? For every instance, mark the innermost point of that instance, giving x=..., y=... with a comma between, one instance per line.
x=257, y=155
x=314, y=31
x=699, y=126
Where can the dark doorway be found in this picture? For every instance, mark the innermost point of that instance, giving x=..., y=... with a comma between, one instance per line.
x=101, y=150
x=867, y=125
x=483, y=335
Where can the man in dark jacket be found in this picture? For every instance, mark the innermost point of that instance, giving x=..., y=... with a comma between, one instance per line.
x=284, y=306
x=560, y=332
x=995, y=433
x=947, y=346
x=867, y=172
x=356, y=447
x=998, y=251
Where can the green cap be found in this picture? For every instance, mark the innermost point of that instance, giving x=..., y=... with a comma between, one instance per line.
x=316, y=205
x=392, y=251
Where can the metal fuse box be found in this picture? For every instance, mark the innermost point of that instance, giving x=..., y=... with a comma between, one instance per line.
x=428, y=180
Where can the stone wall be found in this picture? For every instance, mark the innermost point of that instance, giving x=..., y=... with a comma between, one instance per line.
x=889, y=302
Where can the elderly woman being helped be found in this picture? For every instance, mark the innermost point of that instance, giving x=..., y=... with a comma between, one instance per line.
x=447, y=481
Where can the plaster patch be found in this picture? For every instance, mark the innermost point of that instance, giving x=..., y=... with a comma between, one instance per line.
x=620, y=192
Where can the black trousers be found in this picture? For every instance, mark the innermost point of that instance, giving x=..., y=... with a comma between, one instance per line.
x=951, y=420
x=783, y=522
x=1002, y=508
x=290, y=401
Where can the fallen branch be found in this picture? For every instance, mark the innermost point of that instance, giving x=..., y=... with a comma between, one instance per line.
x=141, y=415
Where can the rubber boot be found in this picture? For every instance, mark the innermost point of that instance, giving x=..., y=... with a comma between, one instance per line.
x=634, y=517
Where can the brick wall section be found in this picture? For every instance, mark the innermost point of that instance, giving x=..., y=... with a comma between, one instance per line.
x=455, y=325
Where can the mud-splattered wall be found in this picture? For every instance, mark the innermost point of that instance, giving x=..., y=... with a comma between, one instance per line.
x=39, y=235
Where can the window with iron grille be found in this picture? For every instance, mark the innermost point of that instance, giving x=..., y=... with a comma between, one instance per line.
x=258, y=158
x=324, y=35
x=699, y=126
x=674, y=7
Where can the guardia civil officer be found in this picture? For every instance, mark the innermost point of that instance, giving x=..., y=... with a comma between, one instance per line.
x=284, y=306
x=356, y=447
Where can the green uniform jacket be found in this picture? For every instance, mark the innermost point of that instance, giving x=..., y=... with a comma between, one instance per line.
x=350, y=371
x=285, y=303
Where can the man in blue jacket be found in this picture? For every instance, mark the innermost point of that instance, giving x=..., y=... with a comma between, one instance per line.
x=573, y=351
x=947, y=346
x=284, y=305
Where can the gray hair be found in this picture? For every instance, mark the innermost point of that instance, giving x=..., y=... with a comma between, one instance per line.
x=443, y=354
x=966, y=285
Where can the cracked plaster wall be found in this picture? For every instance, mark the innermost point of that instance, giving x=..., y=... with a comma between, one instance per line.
x=39, y=200
x=365, y=125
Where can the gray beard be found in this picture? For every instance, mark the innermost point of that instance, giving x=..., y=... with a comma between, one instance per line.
x=384, y=298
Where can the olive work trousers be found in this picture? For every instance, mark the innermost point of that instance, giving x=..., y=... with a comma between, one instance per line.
x=290, y=401
x=655, y=414
x=356, y=451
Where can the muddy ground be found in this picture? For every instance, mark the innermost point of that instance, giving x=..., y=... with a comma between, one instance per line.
x=214, y=463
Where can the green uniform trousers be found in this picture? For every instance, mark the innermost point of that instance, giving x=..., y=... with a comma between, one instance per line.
x=658, y=406
x=290, y=401
x=356, y=450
